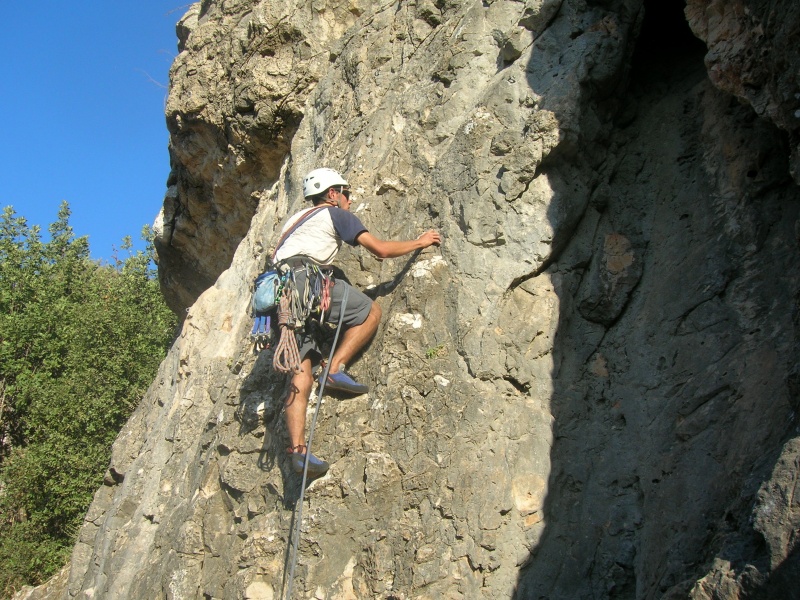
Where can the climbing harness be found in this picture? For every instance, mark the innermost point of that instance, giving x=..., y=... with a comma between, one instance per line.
x=295, y=538
x=294, y=309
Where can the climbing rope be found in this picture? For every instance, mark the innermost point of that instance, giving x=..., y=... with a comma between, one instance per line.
x=298, y=523
x=287, y=354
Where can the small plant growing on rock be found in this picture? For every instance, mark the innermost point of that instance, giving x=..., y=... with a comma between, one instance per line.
x=436, y=351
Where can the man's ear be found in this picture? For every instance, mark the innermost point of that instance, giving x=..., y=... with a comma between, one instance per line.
x=331, y=195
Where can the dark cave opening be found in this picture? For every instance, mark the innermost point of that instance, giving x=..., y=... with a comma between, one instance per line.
x=665, y=38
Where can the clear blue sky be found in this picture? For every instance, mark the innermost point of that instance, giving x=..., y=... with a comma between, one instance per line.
x=82, y=95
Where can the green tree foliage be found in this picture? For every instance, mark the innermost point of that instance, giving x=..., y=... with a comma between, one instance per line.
x=80, y=342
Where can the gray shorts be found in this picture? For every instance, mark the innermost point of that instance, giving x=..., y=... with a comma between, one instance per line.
x=314, y=337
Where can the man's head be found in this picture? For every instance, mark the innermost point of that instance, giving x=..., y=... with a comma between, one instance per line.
x=326, y=185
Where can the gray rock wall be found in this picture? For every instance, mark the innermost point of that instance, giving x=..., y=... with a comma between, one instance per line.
x=588, y=391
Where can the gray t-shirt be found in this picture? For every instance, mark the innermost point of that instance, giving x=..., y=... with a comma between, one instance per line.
x=321, y=236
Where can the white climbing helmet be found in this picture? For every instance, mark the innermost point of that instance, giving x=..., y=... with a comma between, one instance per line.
x=319, y=180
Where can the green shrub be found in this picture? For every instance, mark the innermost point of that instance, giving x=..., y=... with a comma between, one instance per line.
x=80, y=341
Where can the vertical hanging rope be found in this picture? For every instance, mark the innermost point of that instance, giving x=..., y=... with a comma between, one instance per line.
x=295, y=540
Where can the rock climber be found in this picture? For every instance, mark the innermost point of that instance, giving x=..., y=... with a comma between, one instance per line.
x=318, y=240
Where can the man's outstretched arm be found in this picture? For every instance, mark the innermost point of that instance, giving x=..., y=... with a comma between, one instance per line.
x=394, y=248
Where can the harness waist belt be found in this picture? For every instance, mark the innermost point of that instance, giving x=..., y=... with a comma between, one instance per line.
x=299, y=262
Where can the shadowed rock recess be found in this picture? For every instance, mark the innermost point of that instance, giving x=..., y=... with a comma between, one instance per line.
x=590, y=390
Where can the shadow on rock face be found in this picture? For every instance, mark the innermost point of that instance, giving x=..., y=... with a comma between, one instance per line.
x=671, y=392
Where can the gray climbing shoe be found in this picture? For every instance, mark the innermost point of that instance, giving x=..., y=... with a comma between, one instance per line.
x=316, y=466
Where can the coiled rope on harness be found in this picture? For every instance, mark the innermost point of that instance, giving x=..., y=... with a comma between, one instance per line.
x=287, y=354
x=295, y=540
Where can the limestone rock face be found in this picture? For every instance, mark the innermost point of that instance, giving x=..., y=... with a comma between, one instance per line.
x=753, y=53
x=237, y=96
x=590, y=390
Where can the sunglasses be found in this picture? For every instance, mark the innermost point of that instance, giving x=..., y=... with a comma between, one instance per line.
x=345, y=193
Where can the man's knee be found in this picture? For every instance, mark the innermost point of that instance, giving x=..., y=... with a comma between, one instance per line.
x=375, y=311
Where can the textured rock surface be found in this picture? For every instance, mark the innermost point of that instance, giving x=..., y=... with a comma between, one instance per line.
x=753, y=53
x=589, y=391
x=238, y=88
